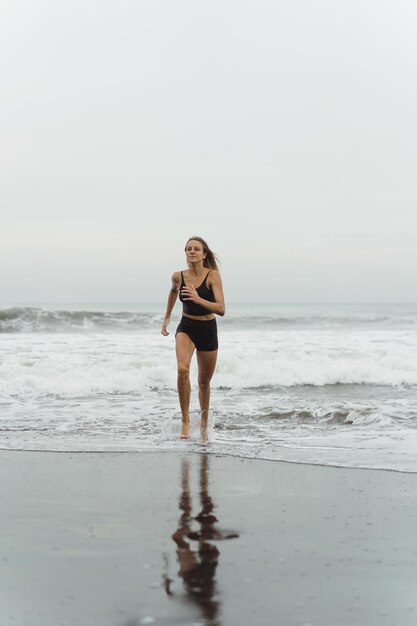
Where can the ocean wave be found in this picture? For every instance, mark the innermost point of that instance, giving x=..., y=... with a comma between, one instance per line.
x=35, y=320
x=318, y=361
x=321, y=321
x=323, y=416
x=48, y=320
x=81, y=376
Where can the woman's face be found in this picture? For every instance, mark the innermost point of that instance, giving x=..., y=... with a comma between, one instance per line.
x=194, y=251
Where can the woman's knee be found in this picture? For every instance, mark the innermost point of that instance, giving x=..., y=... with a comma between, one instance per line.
x=183, y=370
x=204, y=384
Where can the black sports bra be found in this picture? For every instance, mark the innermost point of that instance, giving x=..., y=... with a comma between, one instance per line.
x=192, y=308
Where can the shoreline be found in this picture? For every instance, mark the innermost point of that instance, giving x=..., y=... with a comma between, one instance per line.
x=210, y=453
x=126, y=539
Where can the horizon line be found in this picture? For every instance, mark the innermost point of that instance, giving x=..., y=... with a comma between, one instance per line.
x=20, y=303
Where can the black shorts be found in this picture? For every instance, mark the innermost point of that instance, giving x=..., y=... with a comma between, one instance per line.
x=203, y=334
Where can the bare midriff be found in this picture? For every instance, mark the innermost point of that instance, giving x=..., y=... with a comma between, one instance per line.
x=202, y=318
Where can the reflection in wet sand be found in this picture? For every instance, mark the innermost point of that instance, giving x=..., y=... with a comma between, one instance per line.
x=198, y=561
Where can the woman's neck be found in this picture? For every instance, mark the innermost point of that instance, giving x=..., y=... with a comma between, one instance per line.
x=196, y=268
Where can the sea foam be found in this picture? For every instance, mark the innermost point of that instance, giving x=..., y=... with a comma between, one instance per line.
x=329, y=385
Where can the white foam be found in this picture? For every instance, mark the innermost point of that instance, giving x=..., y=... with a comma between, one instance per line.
x=318, y=358
x=78, y=365
x=337, y=396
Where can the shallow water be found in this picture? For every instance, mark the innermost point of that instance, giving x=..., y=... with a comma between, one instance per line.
x=328, y=384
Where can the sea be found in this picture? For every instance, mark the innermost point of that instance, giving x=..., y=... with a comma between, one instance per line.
x=328, y=384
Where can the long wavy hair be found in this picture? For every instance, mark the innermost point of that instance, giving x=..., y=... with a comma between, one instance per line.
x=211, y=259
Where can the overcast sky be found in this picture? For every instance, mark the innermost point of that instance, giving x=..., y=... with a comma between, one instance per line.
x=284, y=132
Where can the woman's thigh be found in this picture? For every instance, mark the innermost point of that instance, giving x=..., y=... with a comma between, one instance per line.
x=184, y=349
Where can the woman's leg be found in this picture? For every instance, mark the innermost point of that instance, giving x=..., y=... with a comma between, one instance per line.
x=185, y=350
x=206, y=366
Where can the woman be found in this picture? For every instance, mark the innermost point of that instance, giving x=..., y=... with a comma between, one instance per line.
x=197, y=329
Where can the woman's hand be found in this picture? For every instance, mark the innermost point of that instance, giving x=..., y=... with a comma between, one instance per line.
x=164, y=331
x=190, y=293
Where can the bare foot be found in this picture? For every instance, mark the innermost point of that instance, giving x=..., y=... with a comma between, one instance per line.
x=185, y=430
x=203, y=431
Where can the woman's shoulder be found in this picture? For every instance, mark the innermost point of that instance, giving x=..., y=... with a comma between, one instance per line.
x=176, y=277
x=213, y=276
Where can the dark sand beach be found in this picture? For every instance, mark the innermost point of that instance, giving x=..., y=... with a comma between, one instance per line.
x=126, y=539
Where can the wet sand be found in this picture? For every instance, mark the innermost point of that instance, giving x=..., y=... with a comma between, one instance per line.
x=185, y=538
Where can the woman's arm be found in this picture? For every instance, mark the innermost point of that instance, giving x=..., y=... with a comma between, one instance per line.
x=172, y=298
x=218, y=307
